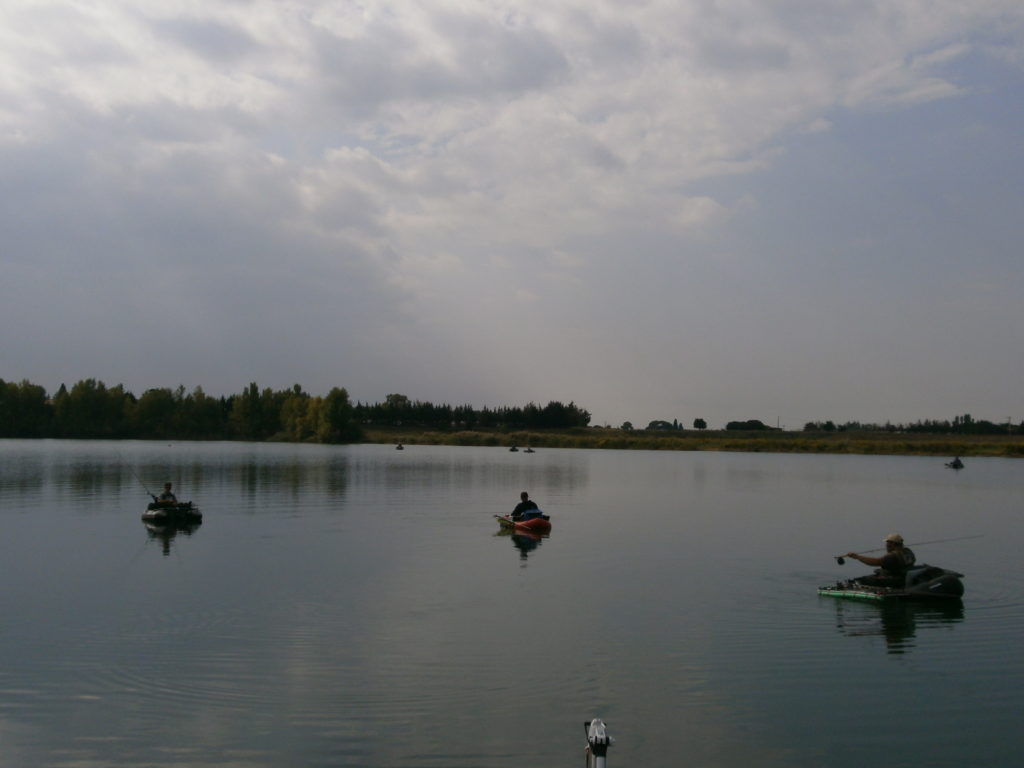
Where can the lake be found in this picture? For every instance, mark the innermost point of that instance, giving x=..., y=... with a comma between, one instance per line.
x=357, y=606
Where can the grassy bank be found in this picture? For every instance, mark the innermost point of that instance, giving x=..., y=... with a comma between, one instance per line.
x=884, y=443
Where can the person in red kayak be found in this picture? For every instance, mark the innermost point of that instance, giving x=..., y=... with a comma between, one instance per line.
x=525, y=504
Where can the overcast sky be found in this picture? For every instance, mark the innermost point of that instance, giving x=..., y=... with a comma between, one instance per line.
x=787, y=210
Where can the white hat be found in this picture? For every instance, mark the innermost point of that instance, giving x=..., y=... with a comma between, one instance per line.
x=895, y=538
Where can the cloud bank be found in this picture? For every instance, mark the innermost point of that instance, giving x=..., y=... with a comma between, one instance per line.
x=656, y=209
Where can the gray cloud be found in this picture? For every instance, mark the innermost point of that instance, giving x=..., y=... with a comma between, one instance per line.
x=212, y=40
x=479, y=203
x=470, y=58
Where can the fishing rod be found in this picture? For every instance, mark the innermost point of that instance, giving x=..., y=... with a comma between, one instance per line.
x=132, y=470
x=841, y=559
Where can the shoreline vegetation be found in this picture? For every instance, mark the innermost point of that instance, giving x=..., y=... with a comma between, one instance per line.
x=865, y=443
x=92, y=410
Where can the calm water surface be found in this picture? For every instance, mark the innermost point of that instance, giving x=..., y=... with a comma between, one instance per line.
x=356, y=606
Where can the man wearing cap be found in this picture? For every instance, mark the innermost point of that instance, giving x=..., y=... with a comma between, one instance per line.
x=892, y=566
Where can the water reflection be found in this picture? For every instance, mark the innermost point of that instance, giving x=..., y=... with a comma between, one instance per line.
x=165, y=533
x=327, y=623
x=898, y=622
x=91, y=471
x=525, y=542
x=21, y=477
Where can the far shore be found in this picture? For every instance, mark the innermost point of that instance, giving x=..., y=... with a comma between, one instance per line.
x=880, y=443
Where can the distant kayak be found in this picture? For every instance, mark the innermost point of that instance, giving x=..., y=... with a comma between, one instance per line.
x=168, y=512
x=539, y=523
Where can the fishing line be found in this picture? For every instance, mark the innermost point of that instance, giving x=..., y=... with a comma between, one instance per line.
x=132, y=470
x=841, y=559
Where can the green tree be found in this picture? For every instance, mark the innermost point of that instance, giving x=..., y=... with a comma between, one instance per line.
x=24, y=411
x=203, y=417
x=700, y=424
x=395, y=409
x=155, y=414
x=751, y=425
x=61, y=407
x=295, y=416
x=90, y=410
x=247, y=413
x=336, y=423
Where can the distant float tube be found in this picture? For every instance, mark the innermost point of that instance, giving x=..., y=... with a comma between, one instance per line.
x=172, y=512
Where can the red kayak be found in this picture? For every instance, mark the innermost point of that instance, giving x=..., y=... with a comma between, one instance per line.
x=536, y=524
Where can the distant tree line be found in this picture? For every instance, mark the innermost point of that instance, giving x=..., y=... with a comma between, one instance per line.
x=90, y=409
x=399, y=411
x=965, y=424
x=960, y=425
x=660, y=425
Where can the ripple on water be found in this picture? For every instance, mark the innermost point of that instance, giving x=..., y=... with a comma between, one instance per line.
x=166, y=662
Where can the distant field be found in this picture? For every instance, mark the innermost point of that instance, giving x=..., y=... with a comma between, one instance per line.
x=767, y=442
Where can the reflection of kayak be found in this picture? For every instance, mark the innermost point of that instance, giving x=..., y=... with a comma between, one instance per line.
x=538, y=523
x=923, y=582
x=523, y=540
x=173, y=512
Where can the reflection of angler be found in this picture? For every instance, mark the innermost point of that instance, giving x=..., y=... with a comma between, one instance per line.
x=526, y=543
x=166, y=532
x=897, y=621
x=893, y=621
x=598, y=742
